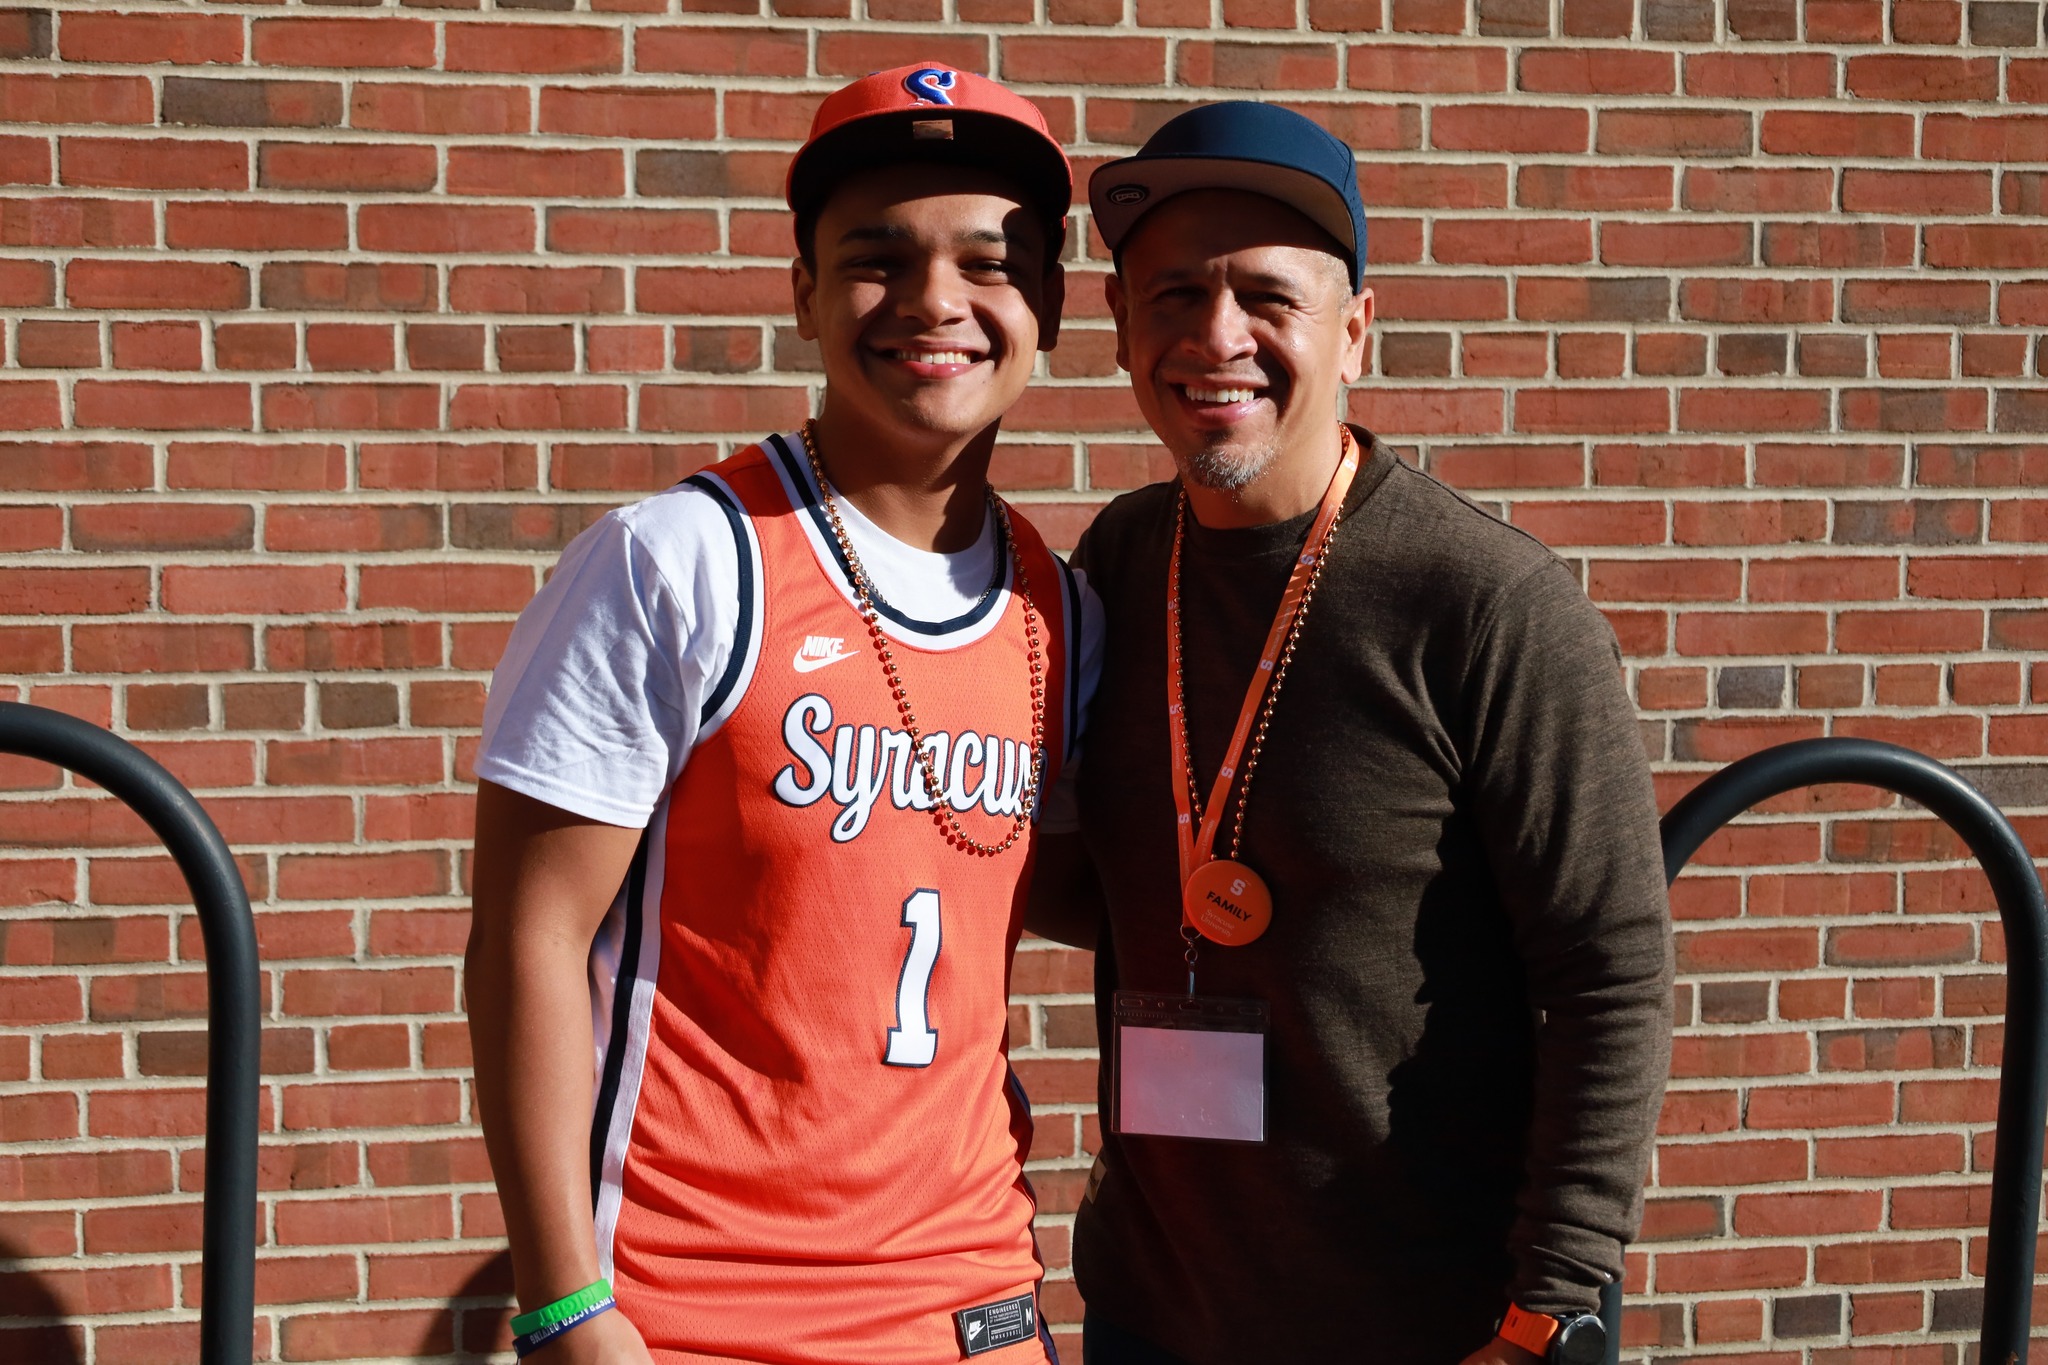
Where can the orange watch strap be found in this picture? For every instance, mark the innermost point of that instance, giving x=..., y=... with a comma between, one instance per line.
x=1530, y=1331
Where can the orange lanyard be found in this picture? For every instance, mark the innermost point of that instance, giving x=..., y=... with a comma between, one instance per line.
x=1198, y=846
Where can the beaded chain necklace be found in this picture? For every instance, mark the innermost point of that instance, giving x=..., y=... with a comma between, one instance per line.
x=1250, y=765
x=864, y=598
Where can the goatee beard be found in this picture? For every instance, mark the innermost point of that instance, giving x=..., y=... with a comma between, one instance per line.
x=1226, y=471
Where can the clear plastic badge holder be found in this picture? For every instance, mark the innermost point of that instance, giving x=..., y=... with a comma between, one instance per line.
x=1190, y=1067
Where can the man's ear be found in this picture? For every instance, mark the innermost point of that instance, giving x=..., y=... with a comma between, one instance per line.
x=1052, y=301
x=1357, y=323
x=1052, y=283
x=1119, y=308
x=803, y=288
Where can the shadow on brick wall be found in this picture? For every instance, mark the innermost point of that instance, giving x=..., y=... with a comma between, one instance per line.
x=479, y=1317
x=32, y=1329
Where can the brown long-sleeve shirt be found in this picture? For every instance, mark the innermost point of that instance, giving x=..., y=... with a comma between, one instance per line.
x=1468, y=966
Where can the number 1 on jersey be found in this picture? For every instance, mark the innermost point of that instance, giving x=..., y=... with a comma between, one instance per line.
x=914, y=1042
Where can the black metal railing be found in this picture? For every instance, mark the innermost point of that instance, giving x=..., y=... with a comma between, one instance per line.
x=227, y=1306
x=2023, y=1075
x=227, y=1294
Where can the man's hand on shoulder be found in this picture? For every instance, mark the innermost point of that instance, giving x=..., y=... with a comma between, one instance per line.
x=1500, y=1351
x=607, y=1339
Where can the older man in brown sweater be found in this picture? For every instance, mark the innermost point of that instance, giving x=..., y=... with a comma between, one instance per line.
x=1383, y=959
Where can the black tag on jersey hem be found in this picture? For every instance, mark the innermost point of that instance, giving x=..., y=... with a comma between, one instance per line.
x=993, y=1326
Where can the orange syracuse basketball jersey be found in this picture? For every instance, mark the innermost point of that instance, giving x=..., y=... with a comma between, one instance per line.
x=808, y=1144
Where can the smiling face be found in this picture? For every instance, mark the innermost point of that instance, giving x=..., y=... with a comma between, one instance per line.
x=929, y=291
x=1237, y=323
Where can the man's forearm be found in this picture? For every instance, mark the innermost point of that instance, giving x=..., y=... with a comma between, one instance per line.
x=529, y=1020
x=1602, y=1054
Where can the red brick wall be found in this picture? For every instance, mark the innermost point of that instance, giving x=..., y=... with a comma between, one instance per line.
x=326, y=327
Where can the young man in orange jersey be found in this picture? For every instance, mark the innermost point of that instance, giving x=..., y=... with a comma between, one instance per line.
x=760, y=773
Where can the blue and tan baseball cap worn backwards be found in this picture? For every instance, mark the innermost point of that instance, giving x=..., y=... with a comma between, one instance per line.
x=1238, y=145
x=929, y=112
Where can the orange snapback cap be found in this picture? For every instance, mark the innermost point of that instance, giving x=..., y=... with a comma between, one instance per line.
x=929, y=112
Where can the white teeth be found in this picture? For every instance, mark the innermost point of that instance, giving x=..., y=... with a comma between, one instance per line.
x=934, y=357
x=1220, y=395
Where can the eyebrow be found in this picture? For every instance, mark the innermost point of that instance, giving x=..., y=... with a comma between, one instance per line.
x=1265, y=279
x=886, y=232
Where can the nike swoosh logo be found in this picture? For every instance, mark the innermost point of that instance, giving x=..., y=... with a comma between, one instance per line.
x=803, y=665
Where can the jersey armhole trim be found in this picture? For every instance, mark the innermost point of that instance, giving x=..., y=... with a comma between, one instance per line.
x=748, y=626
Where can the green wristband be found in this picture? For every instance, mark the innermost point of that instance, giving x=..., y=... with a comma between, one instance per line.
x=562, y=1308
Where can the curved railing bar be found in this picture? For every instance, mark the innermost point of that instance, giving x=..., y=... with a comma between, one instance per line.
x=227, y=1305
x=228, y=1289
x=2022, y=908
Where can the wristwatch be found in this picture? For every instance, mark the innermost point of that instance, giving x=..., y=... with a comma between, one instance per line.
x=1567, y=1339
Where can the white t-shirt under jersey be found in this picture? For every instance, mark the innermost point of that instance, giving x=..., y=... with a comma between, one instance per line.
x=600, y=695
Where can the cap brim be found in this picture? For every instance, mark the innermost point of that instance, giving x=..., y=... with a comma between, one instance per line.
x=987, y=141
x=1122, y=192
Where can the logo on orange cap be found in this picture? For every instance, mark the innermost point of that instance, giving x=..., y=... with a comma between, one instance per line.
x=892, y=116
x=930, y=84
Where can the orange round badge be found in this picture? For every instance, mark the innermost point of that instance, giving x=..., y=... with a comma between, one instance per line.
x=1227, y=902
